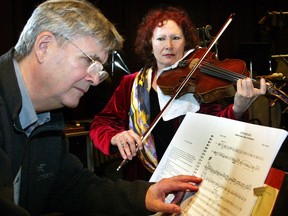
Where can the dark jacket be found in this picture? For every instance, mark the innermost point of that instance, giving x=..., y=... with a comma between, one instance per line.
x=52, y=179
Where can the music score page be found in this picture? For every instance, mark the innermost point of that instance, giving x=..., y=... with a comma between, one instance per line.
x=232, y=157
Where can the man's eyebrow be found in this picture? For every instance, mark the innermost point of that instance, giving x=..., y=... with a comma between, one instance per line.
x=95, y=57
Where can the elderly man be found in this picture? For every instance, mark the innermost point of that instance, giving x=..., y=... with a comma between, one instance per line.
x=59, y=54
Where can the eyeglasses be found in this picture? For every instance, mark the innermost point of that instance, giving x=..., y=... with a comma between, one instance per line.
x=96, y=68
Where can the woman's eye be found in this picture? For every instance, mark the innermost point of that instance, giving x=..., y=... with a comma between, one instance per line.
x=161, y=39
x=176, y=38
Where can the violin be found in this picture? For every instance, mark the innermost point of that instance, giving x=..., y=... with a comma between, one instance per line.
x=212, y=80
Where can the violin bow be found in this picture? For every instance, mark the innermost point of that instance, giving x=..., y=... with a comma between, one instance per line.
x=181, y=86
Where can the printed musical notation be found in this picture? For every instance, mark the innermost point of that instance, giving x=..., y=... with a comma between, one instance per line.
x=232, y=157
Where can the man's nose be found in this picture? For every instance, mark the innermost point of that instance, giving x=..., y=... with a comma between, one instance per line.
x=94, y=80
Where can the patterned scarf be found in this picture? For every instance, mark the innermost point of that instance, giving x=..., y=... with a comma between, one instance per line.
x=139, y=119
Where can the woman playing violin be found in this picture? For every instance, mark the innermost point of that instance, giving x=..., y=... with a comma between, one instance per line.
x=163, y=38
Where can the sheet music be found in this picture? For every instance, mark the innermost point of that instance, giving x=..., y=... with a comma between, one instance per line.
x=232, y=157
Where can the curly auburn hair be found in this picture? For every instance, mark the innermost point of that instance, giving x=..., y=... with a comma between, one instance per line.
x=156, y=17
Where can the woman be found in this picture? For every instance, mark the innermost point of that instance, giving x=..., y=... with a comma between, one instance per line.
x=164, y=37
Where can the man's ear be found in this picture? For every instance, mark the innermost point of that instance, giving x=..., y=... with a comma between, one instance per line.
x=43, y=42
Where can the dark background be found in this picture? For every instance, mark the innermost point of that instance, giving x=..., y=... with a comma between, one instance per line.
x=244, y=38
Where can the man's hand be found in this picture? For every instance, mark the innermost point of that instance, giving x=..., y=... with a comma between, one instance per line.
x=177, y=185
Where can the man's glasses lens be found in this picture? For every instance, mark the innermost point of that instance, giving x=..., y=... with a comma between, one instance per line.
x=96, y=69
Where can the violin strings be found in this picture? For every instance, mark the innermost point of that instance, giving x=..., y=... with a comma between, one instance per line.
x=209, y=68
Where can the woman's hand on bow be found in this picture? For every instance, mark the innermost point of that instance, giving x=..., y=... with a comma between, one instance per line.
x=128, y=143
